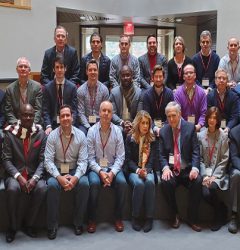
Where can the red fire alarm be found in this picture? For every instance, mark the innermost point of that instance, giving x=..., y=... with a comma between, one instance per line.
x=128, y=28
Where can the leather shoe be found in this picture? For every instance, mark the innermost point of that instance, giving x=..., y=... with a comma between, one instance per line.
x=91, y=227
x=10, y=236
x=136, y=224
x=31, y=232
x=176, y=222
x=119, y=227
x=52, y=233
x=233, y=225
x=78, y=230
x=195, y=227
x=148, y=225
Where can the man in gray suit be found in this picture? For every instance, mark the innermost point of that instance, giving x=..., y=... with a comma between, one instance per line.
x=149, y=60
x=23, y=91
x=127, y=100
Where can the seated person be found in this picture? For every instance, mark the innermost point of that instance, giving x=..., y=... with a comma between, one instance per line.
x=56, y=93
x=156, y=99
x=191, y=98
x=226, y=100
x=214, y=155
x=106, y=157
x=140, y=160
x=90, y=95
x=23, y=151
x=22, y=91
x=126, y=100
x=180, y=163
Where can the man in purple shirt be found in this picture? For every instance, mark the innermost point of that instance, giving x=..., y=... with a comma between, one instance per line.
x=192, y=98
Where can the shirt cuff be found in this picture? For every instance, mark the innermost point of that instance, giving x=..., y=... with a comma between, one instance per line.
x=166, y=167
x=16, y=175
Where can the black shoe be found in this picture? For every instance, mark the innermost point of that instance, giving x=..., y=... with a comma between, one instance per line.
x=216, y=226
x=78, y=230
x=148, y=225
x=31, y=232
x=176, y=223
x=136, y=224
x=10, y=236
x=52, y=233
x=233, y=225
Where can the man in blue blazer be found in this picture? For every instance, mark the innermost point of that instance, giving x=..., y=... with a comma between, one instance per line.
x=180, y=162
x=70, y=57
x=56, y=93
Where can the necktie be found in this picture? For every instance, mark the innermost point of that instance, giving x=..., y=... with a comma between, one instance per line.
x=177, y=163
x=60, y=97
x=25, y=148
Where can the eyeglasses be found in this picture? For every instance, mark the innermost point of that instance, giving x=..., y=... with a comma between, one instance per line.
x=189, y=73
x=221, y=78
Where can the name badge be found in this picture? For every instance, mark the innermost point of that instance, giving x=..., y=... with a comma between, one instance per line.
x=92, y=119
x=205, y=82
x=64, y=168
x=151, y=84
x=191, y=118
x=171, y=159
x=58, y=120
x=223, y=123
x=158, y=123
x=178, y=85
x=208, y=171
x=103, y=162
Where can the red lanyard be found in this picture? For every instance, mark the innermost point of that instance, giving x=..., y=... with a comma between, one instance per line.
x=158, y=104
x=234, y=70
x=205, y=68
x=104, y=144
x=65, y=150
x=190, y=101
x=24, y=101
x=92, y=98
x=221, y=104
x=211, y=150
x=179, y=69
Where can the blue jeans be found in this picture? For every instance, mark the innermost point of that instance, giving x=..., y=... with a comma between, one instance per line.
x=81, y=191
x=143, y=191
x=119, y=184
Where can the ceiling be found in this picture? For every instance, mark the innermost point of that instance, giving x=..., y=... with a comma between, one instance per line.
x=91, y=18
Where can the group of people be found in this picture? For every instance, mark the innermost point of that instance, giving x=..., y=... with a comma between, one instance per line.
x=127, y=121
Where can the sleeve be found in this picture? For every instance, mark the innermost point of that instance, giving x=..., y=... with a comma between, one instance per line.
x=203, y=110
x=38, y=106
x=74, y=105
x=83, y=76
x=144, y=83
x=136, y=72
x=75, y=69
x=113, y=74
x=234, y=150
x=132, y=166
x=195, y=150
x=46, y=70
x=202, y=152
x=11, y=118
x=115, y=118
x=46, y=108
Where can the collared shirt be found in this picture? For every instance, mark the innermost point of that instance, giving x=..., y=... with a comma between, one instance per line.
x=84, y=102
x=114, y=150
x=76, y=154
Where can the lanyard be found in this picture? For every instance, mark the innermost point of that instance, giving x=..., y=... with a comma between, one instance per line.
x=24, y=100
x=179, y=69
x=158, y=104
x=65, y=150
x=211, y=149
x=205, y=68
x=234, y=70
x=92, y=98
x=221, y=104
x=190, y=101
x=104, y=144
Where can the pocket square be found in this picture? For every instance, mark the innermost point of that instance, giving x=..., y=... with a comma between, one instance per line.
x=37, y=143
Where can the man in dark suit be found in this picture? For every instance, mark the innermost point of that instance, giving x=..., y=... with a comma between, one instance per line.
x=180, y=162
x=23, y=151
x=70, y=57
x=23, y=91
x=56, y=93
x=102, y=60
x=149, y=60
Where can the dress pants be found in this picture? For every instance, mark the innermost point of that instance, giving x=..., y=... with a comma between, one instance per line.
x=81, y=191
x=234, y=188
x=119, y=184
x=195, y=191
x=23, y=207
x=143, y=191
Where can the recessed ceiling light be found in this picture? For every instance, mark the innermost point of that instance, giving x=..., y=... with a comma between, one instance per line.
x=178, y=20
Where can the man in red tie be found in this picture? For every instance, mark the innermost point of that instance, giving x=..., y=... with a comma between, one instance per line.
x=180, y=162
x=23, y=150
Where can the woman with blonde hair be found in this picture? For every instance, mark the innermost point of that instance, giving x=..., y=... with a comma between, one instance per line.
x=140, y=158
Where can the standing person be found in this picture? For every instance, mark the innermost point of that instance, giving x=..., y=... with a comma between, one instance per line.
x=177, y=63
x=22, y=159
x=180, y=163
x=106, y=157
x=140, y=160
x=206, y=61
x=149, y=60
x=124, y=58
x=214, y=156
x=66, y=162
x=70, y=57
x=102, y=60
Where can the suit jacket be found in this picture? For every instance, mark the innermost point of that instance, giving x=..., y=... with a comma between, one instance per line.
x=234, y=136
x=2, y=108
x=116, y=98
x=71, y=59
x=12, y=105
x=13, y=154
x=219, y=159
x=50, y=102
x=189, y=147
x=145, y=72
x=103, y=69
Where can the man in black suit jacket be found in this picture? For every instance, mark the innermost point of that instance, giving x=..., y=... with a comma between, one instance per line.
x=234, y=136
x=180, y=162
x=70, y=57
x=23, y=150
x=56, y=93
x=102, y=60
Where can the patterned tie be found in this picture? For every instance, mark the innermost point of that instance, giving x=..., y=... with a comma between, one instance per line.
x=177, y=163
x=25, y=148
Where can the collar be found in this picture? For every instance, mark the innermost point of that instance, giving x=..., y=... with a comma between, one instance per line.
x=60, y=83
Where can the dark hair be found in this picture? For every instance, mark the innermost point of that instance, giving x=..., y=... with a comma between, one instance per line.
x=96, y=34
x=60, y=27
x=59, y=59
x=210, y=111
x=156, y=68
x=65, y=106
x=151, y=35
x=92, y=61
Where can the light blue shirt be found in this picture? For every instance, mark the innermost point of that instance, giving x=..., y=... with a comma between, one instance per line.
x=114, y=150
x=76, y=154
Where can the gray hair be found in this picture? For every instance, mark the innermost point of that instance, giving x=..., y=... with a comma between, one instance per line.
x=174, y=105
x=23, y=58
x=206, y=33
